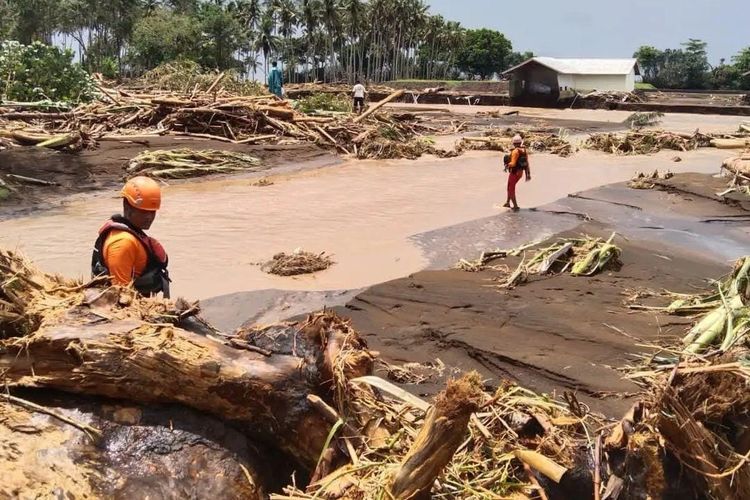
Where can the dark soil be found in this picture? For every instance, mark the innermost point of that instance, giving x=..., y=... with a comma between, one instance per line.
x=560, y=333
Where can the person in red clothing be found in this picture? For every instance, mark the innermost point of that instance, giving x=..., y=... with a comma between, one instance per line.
x=516, y=164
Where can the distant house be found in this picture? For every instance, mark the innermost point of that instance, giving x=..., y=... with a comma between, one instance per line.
x=554, y=78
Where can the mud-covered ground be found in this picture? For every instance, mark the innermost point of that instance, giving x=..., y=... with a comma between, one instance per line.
x=562, y=333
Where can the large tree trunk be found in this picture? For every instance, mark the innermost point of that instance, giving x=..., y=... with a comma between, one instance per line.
x=149, y=363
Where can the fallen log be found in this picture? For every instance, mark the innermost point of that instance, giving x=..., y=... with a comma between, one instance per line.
x=730, y=143
x=156, y=363
x=379, y=105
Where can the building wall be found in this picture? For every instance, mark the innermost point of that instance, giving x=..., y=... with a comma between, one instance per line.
x=620, y=83
x=566, y=82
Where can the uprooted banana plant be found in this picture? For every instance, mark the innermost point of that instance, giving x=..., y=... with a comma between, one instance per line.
x=724, y=319
x=583, y=256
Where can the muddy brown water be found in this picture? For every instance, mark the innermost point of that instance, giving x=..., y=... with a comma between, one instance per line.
x=364, y=213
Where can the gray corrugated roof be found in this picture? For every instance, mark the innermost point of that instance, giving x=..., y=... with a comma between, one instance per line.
x=583, y=66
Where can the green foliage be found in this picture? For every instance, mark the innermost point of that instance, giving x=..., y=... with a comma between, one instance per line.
x=516, y=58
x=38, y=71
x=742, y=60
x=163, y=36
x=695, y=64
x=184, y=76
x=644, y=86
x=324, y=102
x=35, y=20
x=649, y=60
x=8, y=19
x=207, y=34
x=484, y=52
x=222, y=36
x=688, y=68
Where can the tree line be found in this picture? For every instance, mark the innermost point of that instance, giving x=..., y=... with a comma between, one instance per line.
x=329, y=40
x=688, y=68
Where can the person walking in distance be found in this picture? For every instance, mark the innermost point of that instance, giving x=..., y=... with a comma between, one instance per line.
x=275, y=80
x=359, y=92
x=516, y=164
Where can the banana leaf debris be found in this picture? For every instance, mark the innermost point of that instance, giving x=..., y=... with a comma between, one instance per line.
x=583, y=256
x=183, y=163
x=357, y=435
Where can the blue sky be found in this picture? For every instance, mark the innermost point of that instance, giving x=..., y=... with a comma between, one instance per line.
x=607, y=28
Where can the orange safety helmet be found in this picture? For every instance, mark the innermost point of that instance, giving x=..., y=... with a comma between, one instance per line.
x=143, y=193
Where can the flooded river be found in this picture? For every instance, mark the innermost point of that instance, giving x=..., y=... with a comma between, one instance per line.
x=364, y=213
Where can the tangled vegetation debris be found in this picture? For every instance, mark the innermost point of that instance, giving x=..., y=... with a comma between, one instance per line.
x=538, y=141
x=646, y=142
x=724, y=314
x=643, y=181
x=187, y=77
x=296, y=263
x=583, y=256
x=183, y=163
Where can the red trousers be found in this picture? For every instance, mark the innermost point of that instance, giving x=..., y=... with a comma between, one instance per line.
x=514, y=176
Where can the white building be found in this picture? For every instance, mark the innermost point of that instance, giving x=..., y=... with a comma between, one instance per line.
x=554, y=78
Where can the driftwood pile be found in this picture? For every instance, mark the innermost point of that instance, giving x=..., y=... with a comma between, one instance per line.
x=738, y=169
x=538, y=141
x=638, y=142
x=646, y=142
x=235, y=119
x=601, y=97
x=335, y=88
x=296, y=263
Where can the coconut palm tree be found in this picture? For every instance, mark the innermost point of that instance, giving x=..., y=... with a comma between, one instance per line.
x=332, y=21
x=288, y=21
x=310, y=20
x=266, y=41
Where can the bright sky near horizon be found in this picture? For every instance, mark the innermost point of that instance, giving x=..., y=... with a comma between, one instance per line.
x=607, y=28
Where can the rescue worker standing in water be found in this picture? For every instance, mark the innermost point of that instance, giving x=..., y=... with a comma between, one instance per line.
x=124, y=252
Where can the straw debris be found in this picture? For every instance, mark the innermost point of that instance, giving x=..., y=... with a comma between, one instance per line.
x=296, y=263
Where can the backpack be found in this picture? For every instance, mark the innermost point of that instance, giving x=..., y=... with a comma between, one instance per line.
x=523, y=159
